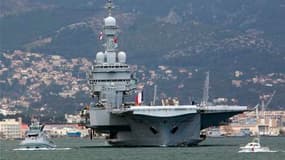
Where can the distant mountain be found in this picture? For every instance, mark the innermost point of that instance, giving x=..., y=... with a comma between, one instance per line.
x=205, y=33
x=224, y=37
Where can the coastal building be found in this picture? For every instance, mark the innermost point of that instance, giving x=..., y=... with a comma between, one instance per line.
x=63, y=130
x=270, y=123
x=72, y=118
x=10, y=129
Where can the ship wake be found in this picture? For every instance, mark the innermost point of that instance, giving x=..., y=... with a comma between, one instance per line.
x=41, y=149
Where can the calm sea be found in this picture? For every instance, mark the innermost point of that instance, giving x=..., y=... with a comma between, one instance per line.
x=85, y=149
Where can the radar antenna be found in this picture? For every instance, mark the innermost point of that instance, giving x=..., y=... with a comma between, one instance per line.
x=109, y=6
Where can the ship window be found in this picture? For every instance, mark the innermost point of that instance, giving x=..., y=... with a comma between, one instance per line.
x=174, y=129
x=153, y=130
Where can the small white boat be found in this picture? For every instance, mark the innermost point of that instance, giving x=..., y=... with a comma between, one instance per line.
x=254, y=146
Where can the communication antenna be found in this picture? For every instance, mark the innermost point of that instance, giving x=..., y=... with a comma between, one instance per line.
x=205, y=97
x=154, y=94
x=109, y=6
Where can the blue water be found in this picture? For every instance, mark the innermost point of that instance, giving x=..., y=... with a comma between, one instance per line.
x=84, y=149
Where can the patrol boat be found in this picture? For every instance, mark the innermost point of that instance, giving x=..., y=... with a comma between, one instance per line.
x=36, y=138
x=111, y=82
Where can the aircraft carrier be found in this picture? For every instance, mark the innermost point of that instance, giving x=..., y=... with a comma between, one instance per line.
x=111, y=82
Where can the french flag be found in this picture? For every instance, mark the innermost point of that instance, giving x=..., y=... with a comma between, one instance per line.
x=139, y=98
x=115, y=40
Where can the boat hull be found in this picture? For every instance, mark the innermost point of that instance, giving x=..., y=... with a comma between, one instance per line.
x=143, y=130
x=253, y=150
x=157, y=125
x=27, y=143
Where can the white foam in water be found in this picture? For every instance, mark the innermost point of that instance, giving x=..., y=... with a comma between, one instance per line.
x=264, y=151
x=40, y=149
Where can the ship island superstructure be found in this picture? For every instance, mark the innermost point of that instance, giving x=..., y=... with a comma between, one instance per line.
x=111, y=82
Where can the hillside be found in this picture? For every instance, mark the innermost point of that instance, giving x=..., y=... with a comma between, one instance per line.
x=240, y=42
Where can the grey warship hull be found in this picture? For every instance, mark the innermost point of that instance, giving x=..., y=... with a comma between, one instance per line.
x=148, y=127
x=153, y=131
x=168, y=131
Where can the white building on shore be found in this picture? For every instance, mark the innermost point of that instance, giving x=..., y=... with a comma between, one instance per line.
x=10, y=129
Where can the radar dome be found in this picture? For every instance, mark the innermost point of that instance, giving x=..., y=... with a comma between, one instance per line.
x=110, y=21
x=100, y=57
x=122, y=57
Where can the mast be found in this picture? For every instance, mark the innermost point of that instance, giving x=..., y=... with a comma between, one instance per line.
x=256, y=112
x=111, y=79
x=110, y=32
x=109, y=6
x=205, y=98
x=154, y=94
